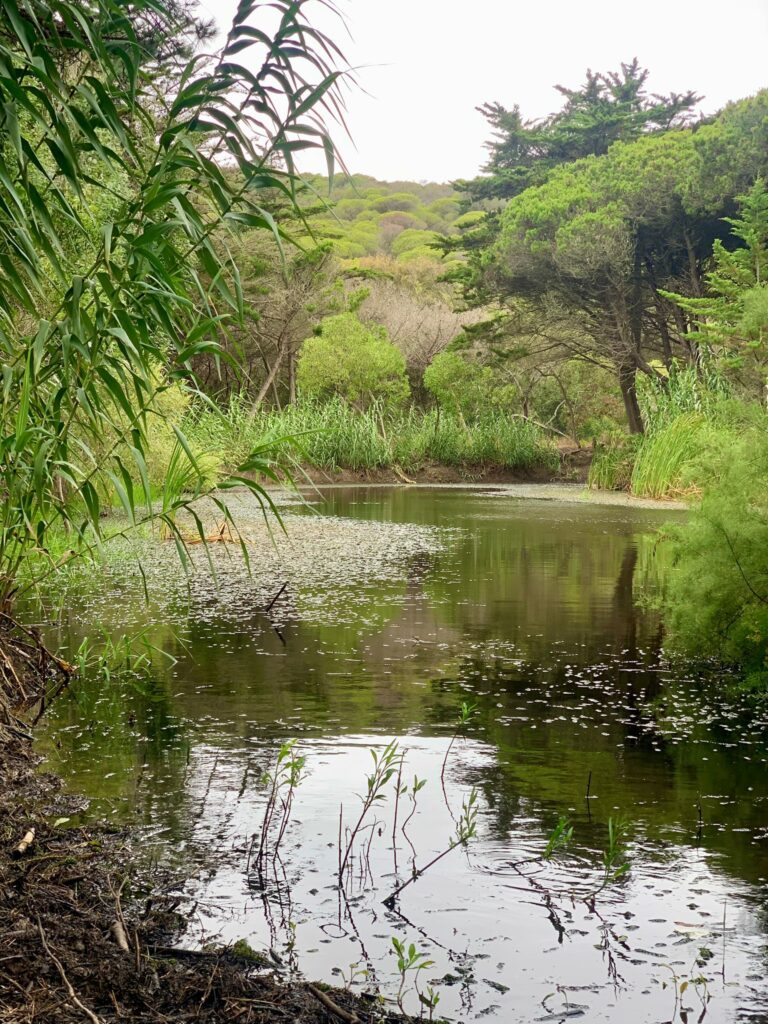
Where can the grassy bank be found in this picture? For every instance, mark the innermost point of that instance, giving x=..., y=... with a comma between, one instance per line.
x=334, y=436
x=693, y=427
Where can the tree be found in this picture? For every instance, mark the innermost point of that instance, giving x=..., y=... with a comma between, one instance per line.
x=458, y=384
x=731, y=319
x=605, y=238
x=415, y=306
x=609, y=107
x=352, y=360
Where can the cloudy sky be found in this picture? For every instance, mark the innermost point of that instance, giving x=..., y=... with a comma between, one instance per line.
x=425, y=65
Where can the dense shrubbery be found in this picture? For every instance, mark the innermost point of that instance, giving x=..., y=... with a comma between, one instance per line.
x=352, y=361
x=717, y=598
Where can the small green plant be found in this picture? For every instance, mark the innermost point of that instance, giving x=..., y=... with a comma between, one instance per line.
x=418, y=785
x=680, y=985
x=282, y=783
x=411, y=961
x=356, y=973
x=559, y=839
x=384, y=768
x=467, y=711
x=615, y=864
x=429, y=1000
x=129, y=656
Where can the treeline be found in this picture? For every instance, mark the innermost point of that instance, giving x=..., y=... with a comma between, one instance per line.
x=602, y=222
x=628, y=236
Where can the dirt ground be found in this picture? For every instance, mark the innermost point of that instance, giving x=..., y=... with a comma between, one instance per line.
x=574, y=467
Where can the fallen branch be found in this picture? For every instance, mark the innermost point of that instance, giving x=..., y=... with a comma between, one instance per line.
x=334, y=1008
x=67, y=984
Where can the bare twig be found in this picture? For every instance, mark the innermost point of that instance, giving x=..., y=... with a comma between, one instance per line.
x=334, y=1008
x=67, y=984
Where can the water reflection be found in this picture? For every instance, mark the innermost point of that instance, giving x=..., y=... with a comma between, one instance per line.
x=529, y=608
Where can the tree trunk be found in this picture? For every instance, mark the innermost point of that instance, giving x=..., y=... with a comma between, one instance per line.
x=627, y=375
x=268, y=382
x=292, y=378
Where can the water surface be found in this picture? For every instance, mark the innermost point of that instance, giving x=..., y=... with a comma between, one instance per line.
x=401, y=604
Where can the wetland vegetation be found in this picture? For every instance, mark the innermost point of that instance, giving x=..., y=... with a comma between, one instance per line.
x=451, y=751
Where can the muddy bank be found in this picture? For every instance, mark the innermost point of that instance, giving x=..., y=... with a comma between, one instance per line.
x=574, y=467
x=84, y=937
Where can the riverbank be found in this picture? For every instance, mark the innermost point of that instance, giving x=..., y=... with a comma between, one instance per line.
x=573, y=467
x=84, y=936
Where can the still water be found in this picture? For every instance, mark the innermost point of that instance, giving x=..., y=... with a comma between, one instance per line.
x=400, y=604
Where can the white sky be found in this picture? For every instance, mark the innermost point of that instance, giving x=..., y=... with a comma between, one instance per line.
x=426, y=64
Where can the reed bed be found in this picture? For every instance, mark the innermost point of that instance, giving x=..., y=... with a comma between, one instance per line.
x=334, y=436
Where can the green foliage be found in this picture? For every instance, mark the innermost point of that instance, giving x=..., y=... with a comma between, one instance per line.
x=458, y=384
x=717, y=596
x=613, y=462
x=114, y=203
x=667, y=459
x=354, y=361
x=332, y=435
x=370, y=217
x=610, y=213
x=732, y=318
x=560, y=838
x=685, y=389
x=607, y=108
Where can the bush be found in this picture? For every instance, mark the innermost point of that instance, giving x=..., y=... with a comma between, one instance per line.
x=353, y=361
x=717, y=594
x=457, y=384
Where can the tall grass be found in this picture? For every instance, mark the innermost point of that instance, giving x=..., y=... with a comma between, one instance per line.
x=333, y=436
x=666, y=461
x=689, y=419
x=612, y=463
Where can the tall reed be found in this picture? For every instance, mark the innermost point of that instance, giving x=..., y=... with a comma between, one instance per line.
x=332, y=436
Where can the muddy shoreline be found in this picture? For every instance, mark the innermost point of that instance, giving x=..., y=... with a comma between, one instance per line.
x=574, y=468
x=83, y=936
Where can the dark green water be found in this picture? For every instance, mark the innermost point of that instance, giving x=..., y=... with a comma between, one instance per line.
x=417, y=600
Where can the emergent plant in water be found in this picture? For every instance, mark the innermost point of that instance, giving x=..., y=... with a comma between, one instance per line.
x=466, y=712
x=282, y=782
x=466, y=829
x=410, y=960
x=385, y=766
x=559, y=839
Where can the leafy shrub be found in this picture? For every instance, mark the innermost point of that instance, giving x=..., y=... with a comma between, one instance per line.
x=457, y=384
x=717, y=595
x=354, y=361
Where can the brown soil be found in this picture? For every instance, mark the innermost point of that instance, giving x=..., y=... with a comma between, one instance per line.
x=574, y=467
x=83, y=937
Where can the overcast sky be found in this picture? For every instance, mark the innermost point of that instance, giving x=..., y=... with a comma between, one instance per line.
x=426, y=64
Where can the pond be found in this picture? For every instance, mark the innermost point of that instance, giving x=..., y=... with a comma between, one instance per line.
x=400, y=605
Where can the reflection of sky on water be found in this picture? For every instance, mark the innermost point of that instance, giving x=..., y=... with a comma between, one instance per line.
x=529, y=608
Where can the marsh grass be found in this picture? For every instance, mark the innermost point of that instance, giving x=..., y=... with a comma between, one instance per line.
x=333, y=436
x=666, y=460
x=612, y=463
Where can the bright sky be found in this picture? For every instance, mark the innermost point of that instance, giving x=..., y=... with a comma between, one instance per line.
x=426, y=64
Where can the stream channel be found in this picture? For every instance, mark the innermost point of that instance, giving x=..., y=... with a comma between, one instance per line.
x=536, y=605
